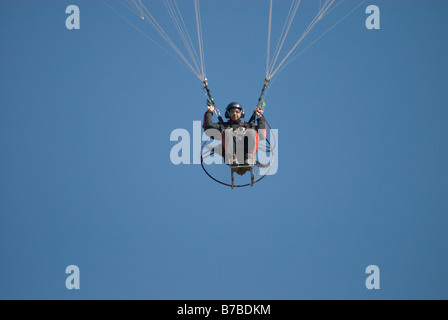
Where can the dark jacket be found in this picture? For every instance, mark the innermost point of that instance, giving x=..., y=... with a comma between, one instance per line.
x=209, y=124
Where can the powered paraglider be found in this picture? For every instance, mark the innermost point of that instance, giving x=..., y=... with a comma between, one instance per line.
x=191, y=55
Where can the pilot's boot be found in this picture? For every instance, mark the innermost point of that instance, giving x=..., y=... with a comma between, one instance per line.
x=231, y=159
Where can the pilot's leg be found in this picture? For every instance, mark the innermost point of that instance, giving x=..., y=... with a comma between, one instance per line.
x=250, y=143
x=229, y=138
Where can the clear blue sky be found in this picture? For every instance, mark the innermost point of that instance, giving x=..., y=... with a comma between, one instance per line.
x=86, y=178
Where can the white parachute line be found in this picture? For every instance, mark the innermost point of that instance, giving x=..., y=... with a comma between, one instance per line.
x=317, y=39
x=282, y=33
x=170, y=42
x=146, y=16
x=305, y=33
x=316, y=19
x=200, y=38
x=179, y=23
x=144, y=33
x=332, y=8
x=291, y=15
x=269, y=38
x=133, y=6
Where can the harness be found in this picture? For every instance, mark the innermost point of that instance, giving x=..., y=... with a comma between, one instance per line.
x=242, y=127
